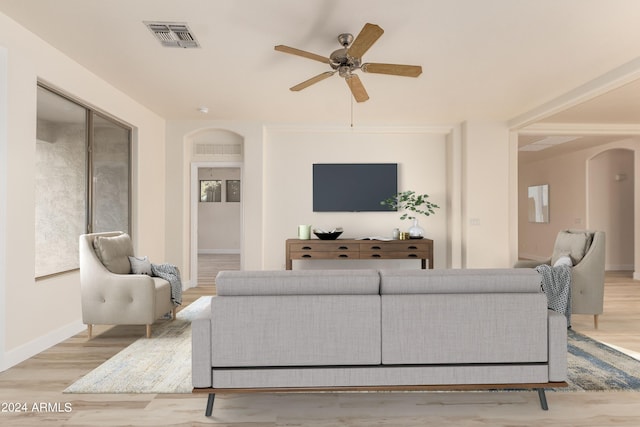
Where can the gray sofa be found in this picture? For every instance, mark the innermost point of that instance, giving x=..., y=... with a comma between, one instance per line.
x=378, y=330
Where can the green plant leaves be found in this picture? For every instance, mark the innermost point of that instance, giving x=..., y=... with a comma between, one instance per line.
x=410, y=201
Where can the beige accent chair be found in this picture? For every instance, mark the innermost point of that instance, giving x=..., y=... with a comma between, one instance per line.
x=587, y=252
x=110, y=295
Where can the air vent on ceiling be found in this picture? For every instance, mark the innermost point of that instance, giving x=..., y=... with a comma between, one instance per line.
x=173, y=34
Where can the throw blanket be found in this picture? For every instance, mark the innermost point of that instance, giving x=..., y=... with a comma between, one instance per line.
x=556, y=283
x=171, y=274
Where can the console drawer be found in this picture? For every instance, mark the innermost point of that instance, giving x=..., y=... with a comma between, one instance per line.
x=394, y=254
x=323, y=247
x=394, y=246
x=324, y=255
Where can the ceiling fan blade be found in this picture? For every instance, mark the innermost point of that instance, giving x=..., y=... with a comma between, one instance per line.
x=303, y=53
x=312, y=80
x=369, y=34
x=357, y=89
x=393, y=69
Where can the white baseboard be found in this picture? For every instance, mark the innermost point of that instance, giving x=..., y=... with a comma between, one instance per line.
x=30, y=349
x=218, y=251
x=621, y=267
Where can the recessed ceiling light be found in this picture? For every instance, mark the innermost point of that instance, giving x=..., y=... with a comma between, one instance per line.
x=203, y=110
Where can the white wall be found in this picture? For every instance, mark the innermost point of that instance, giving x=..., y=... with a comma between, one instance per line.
x=3, y=203
x=38, y=314
x=486, y=209
x=290, y=154
x=277, y=187
x=568, y=191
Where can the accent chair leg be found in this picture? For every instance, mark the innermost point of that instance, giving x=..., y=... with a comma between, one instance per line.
x=90, y=331
x=543, y=399
x=173, y=313
x=148, y=331
x=210, y=400
x=595, y=321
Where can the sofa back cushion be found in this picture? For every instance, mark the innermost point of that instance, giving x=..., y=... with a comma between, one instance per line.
x=295, y=330
x=114, y=252
x=298, y=282
x=571, y=243
x=459, y=281
x=463, y=328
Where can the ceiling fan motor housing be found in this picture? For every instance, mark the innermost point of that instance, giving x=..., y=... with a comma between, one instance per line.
x=340, y=59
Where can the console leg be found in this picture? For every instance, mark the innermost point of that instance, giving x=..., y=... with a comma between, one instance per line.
x=543, y=399
x=210, y=400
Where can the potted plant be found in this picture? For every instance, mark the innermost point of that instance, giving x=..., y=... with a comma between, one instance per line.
x=413, y=204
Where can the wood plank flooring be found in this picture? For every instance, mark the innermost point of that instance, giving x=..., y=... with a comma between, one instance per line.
x=41, y=379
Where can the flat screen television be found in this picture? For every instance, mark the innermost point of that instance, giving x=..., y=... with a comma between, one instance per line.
x=353, y=187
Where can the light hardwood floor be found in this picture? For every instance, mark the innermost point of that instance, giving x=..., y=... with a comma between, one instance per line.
x=42, y=378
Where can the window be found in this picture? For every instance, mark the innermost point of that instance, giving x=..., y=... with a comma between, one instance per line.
x=83, y=169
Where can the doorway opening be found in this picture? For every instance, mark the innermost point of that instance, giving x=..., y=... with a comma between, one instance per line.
x=610, y=204
x=216, y=220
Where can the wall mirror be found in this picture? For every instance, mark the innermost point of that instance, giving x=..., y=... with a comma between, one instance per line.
x=538, y=203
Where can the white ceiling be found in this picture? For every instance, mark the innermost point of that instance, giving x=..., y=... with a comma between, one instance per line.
x=482, y=60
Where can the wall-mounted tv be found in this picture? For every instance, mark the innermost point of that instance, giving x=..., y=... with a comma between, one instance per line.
x=353, y=187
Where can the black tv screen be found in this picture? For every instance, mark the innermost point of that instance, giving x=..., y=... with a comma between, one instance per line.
x=353, y=187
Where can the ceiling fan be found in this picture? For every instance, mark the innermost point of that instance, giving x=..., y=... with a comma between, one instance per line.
x=349, y=59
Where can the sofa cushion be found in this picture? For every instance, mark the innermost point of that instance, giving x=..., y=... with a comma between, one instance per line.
x=505, y=327
x=298, y=282
x=140, y=265
x=295, y=330
x=573, y=244
x=114, y=252
x=459, y=281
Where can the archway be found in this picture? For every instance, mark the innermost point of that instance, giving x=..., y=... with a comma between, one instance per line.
x=216, y=156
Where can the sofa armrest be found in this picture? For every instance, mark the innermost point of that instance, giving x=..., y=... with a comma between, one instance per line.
x=557, y=346
x=201, y=352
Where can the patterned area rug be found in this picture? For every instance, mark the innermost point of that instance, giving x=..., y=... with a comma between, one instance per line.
x=594, y=366
x=162, y=364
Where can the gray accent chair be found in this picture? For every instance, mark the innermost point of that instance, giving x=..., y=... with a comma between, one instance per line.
x=110, y=295
x=586, y=249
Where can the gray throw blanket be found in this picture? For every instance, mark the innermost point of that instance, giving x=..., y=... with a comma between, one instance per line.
x=556, y=284
x=171, y=274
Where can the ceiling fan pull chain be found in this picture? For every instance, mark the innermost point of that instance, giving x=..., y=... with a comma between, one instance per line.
x=351, y=98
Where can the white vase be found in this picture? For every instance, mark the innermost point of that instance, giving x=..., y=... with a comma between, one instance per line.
x=415, y=231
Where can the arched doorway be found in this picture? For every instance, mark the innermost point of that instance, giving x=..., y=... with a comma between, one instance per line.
x=610, y=204
x=216, y=198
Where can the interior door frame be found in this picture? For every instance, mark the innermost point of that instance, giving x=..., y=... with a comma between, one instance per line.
x=195, y=199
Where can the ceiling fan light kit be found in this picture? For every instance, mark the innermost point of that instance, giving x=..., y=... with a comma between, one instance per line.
x=348, y=59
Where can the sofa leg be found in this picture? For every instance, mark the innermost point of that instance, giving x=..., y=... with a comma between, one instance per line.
x=90, y=331
x=173, y=313
x=595, y=321
x=148, y=331
x=210, y=400
x=543, y=399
